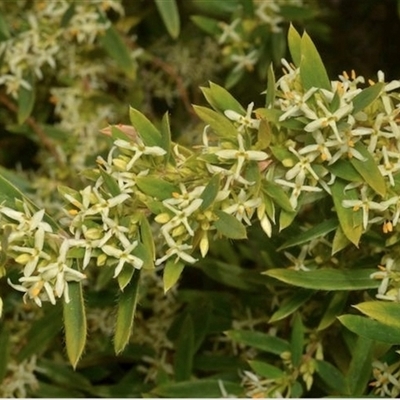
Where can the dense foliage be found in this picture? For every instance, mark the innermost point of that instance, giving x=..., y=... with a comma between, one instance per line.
x=246, y=246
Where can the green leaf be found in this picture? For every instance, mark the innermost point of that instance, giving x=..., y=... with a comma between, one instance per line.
x=291, y=304
x=221, y=100
x=367, y=96
x=183, y=362
x=344, y=170
x=207, y=388
x=349, y=219
x=317, y=231
x=126, y=312
x=156, y=187
x=270, y=95
x=369, y=170
x=117, y=49
x=229, y=226
x=41, y=333
x=387, y=313
x=297, y=340
x=286, y=218
x=170, y=15
x=110, y=183
x=359, y=372
x=166, y=138
x=277, y=193
x=294, y=41
x=326, y=279
x=371, y=329
x=210, y=192
x=146, y=130
x=74, y=323
x=266, y=370
x=340, y=241
x=172, y=272
x=331, y=376
x=125, y=275
x=26, y=101
x=335, y=307
x=208, y=25
x=260, y=341
x=220, y=124
x=146, y=236
x=312, y=70
x=4, y=351
x=272, y=115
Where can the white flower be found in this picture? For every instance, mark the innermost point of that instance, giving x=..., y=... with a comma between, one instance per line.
x=297, y=189
x=177, y=249
x=243, y=208
x=245, y=61
x=243, y=121
x=241, y=155
x=124, y=256
x=229, y=32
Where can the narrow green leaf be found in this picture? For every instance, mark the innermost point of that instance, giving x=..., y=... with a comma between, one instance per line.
x=146, y=236
x=125, y=275
x=277, y=193
x=170, y=15
x=335, y=307
x=208, y=388
x=387, y=313
x=110, y=183
x=270, y=95
x=229, y=226
x=117, y=49
x=369, y=170
x=67, y=16
x=74, y=323
x=317, y=231
x=294, y=41
x=166, y=138
x=4, y=31
x=183, y=362
x=291, y=304
x=221, y=100
x=126, y=312
x=312, y=70
x=266, y=370
x=156, y=187
x=331, y=376
x=297, y=340
x=349, y=219
x=26, y=101
x=147, y=131
x=344, y=170
x=340, y=241
x=219, y=123
x=272, y=115
x=359, y=372
x=367, y=96
x=371, y=329
x=210, y=192
x=326, y=279
x=208, y=25
x=4, y=351
x=286, y=218
x=260, y=341
x=172, y=272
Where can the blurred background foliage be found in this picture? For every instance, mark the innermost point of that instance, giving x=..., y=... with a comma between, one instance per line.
x=70, y=68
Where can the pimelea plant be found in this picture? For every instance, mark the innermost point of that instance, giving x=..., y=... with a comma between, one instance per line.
x=311, y=176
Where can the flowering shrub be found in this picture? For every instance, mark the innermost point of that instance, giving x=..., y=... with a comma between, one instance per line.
x=236, y=261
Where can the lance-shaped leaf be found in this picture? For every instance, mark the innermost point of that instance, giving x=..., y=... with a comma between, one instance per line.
x=209, y=25
x=312, y=70
x=294, y=41
x=266, y=370
x=371, y=329
x=368, y=169
x=386, y=312
x=147, y=131
x=74, y=323
x=117, y=49
x=317, y=231
x=331, y=376
x=326, y=279
x=219, y=123
x=229, y=226
x=210, y=192
x=260, y=341
x=166, y=138
x=350, y=220
x=335, y=306
x=110, y=183
x=367, y=96
x=183, y=362
x=26, y=100
x=170, y=16
x=297, y=340
x=172, y=272
x=221, y=100
x=156, y=187
x=126, y=312
x=270, y=94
